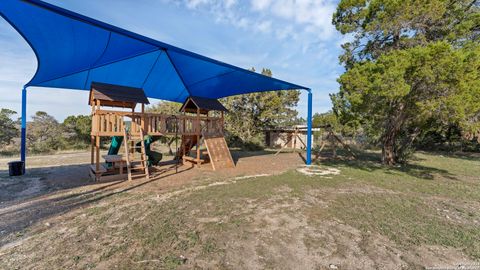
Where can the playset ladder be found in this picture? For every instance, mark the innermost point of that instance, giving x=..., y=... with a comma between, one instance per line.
x=130, y=154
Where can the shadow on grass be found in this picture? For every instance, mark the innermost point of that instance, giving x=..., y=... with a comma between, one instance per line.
x=19, y=214
x=471, y=156
x=371, y=161
x=238, y=154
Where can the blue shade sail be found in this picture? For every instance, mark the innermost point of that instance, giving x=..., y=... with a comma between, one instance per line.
x=73, y=50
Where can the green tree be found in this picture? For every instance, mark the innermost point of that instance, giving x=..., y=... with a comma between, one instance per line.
x=333, y=121
x=250, y=114
x=326, y=119
x=396, y=96
x=165, y=107
x=44, y=133
x=379, y=26
x=8, y=130
x=76, y=130
x=409, y=62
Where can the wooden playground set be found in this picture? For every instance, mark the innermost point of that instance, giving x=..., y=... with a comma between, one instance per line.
x=199, y=123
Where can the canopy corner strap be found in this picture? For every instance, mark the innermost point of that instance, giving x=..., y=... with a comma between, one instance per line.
x=112, y=54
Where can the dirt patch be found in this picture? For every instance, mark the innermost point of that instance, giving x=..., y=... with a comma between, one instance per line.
x=49, y=190
x=279, y=235
x=315, y=170
x=20, y=187
x=465, y=212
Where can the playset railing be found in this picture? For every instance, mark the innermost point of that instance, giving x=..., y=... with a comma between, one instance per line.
x=112, y=123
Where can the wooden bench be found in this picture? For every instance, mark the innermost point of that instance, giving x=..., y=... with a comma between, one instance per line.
x=117, y=161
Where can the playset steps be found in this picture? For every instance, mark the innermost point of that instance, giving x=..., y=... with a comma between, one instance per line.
x=130, y=154
x=101, y=168
x=137, y=168
x=139, y=175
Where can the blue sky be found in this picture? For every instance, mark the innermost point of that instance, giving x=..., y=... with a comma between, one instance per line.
x=294, y=38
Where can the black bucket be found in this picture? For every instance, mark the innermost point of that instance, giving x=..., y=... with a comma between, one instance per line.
x=16, y=168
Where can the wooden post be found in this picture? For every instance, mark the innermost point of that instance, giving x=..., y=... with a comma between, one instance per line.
x=142, y=118
x=97, y=118
x=127, y=158
x=334, y=144
x=132, y=123
x=198, y=137
x=295, y=140
x=184, y=126
x=97, y=143
x=207, y=122
x=222, y=123
x=97, y=157
x=92, y=149
x=92, y=131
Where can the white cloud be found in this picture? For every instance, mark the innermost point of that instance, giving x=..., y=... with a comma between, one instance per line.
x=309, y=13
x=264, y=26
x=230, y=3
x=260, y=4
x=195, y=3
x=243, y=23
x=285, y=18
x=285, y=32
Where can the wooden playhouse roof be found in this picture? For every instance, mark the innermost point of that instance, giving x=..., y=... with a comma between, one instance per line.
x=117, y=95
x=205, y=104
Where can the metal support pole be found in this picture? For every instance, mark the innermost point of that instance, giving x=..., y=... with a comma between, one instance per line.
x=309, y=128
x=23, y=148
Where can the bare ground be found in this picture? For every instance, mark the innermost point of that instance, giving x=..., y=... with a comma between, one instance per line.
x=55, y=217
x=48, y=190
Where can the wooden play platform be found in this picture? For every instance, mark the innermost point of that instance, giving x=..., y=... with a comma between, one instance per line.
x=199, y=123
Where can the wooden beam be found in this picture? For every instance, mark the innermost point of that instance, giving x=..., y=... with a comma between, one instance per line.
x=97, y=158
x=281, y=148
x=349, y=150
x=92, y=149
x=198, y=131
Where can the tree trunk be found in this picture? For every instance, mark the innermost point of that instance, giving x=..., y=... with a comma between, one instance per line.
x=392, y=128
x=388, y=149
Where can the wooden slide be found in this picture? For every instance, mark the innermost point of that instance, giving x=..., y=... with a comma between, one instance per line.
x=219, y=154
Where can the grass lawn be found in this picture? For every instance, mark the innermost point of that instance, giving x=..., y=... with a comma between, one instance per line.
x=423, y=214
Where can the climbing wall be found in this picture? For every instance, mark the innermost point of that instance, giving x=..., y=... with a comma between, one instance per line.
x=219, y=154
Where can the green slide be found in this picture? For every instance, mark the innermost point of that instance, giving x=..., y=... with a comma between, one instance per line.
x=153, y=157
x=115, y=145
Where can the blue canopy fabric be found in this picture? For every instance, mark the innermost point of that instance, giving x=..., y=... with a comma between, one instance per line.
x=73, y=51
